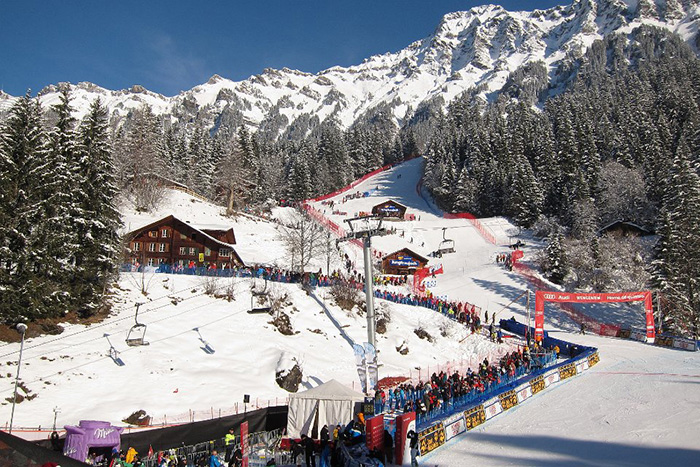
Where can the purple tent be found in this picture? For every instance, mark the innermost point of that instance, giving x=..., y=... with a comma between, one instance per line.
x=91, y=434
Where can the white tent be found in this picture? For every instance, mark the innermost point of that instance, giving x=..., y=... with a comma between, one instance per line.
x=332, y=402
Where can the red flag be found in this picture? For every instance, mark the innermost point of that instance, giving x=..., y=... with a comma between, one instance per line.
x=436, y=269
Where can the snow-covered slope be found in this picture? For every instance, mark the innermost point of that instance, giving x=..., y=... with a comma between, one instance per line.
x=638, y=406
x=475, y=48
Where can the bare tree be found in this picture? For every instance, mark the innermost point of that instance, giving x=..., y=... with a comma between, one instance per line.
x=303, y=239
x=233, y=177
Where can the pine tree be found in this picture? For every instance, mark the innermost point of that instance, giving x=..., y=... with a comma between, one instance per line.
x=65, y=223
x=24, y=292
x=556, y=264
x=98, y=250
x=677, y=264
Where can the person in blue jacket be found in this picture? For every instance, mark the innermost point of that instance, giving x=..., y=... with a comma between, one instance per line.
x=214, y=460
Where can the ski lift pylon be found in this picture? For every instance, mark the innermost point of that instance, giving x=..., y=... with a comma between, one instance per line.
x=136, y=334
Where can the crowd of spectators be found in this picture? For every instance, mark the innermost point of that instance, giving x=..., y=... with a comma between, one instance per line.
x=443, y=391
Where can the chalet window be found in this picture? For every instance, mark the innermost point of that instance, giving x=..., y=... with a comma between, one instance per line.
x=193, y=251
x=161, y=260
x=183, y=236
x=151, y=247
x=137, y=246
x=150, y=261
x=207, y=251
x=183, y=250
x=164, y=233
x=194, y=237
x=161, y=247
x=153, y=234
x=225, y=252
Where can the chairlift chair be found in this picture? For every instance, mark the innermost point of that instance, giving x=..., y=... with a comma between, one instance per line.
x=260, y=300
x=136, y=334
x=446, y=245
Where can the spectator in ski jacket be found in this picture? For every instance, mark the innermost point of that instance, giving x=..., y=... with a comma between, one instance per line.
x=214, y=460
x=309, y=448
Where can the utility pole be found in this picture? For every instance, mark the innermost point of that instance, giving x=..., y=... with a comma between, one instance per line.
x=22, y=329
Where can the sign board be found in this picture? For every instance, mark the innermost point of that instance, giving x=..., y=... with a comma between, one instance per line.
x=245, y=448
x=401, y=260
x=374, y=432
x=454, y=426
x=431, y=438
x=474, y=416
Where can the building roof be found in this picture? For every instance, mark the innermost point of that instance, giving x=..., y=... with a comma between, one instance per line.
x=409, y=252
x=199, y=229
x=625, y=225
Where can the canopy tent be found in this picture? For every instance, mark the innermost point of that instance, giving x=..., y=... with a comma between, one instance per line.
x=328, y=404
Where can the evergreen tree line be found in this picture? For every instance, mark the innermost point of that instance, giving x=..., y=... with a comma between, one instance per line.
x=621, y=143
x=58, y=223
x=240, y=169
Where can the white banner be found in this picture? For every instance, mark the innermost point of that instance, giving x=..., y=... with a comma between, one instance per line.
x=685, y=344
x=493, y=408
x=524, y=392
x=551, y=378
x=454, y=426
x=581, y=366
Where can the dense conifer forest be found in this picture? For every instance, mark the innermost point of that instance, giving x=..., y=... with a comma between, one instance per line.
x=615, y=139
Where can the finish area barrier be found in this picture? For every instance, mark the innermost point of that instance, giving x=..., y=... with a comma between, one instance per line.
x=440, y=432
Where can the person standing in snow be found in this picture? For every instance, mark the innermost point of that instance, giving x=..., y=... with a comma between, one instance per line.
x=413, y=439
x=230, y=441
x=309, y=448
x=325, y=447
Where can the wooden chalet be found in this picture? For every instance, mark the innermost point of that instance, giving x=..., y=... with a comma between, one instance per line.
x=404, y=261
x=390, y=210
x=625, y=229
x=173, y=242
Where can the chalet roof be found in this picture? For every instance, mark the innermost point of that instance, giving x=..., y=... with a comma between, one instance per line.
x=199, y=229
x=627, y=225
x=392, y=202
x=410, y=253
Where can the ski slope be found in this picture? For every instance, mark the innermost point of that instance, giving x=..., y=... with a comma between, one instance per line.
x=639, y=406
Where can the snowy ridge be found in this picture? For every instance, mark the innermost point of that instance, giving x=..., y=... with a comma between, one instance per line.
x=479, y=47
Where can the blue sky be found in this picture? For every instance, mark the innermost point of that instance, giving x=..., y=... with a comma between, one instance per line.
x=171, y=46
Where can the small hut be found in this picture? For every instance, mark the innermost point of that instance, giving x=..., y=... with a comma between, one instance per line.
x=390, y=210
x=404, y=261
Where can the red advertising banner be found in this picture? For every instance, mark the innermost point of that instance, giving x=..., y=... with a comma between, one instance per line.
x=374, y=431
x=565, y=297
x=539, y=316
x=244, y=443
x=402, y=448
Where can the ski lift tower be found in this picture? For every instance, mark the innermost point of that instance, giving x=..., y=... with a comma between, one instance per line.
x=364, y=228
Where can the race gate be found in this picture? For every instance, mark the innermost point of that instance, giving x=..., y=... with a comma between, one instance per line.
x=563, y=297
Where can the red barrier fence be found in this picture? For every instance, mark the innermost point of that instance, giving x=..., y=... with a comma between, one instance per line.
x=603, y=329
x=488, y=236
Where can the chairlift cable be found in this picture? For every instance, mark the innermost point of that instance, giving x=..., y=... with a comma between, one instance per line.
x=42, y=378
x=93, y=327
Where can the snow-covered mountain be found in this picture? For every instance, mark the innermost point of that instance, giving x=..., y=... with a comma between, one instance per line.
x=478, y=48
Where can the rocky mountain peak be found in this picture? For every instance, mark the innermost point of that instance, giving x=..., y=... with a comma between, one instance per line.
x=474, y=49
